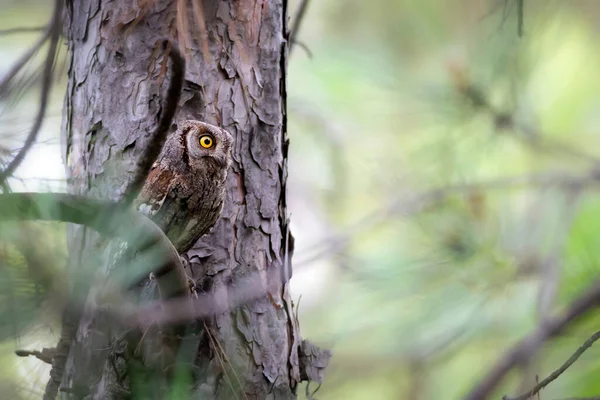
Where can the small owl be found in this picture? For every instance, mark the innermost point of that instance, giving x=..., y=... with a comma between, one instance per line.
x=185, y=189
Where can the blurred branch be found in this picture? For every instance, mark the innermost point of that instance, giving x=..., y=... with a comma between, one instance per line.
x=109, y=219
x=551, y=275
x=503, y=121
x=531, y=344
x=245, y=290
x=295, y=28
x=20, y=63
x=27, y=29
x=520, y=15
x=54, y=30
x=45, y=355
x=304, y=47
x=551, y=272
x=586, y=345
x=159, y=136
x=410, y=205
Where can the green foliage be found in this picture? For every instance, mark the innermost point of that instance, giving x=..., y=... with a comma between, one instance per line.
x=421, y=249
x=416, y=270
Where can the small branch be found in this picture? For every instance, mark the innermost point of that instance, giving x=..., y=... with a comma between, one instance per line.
x=588, y=343
x=27, y=29
x=531, y=344
x=45, y=355
x=159, y=136
x=54, y=31
x=293, y=38
x=304, y=47
x=520, y=14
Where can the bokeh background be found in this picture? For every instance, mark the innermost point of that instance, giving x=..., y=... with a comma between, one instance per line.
x=443, y=191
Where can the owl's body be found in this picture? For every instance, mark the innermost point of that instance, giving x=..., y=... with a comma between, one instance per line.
x=185, y=189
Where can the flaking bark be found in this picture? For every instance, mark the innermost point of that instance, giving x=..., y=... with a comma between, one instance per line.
x=235, y=79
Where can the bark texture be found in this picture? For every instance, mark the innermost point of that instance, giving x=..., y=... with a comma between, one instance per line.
x=236, y=79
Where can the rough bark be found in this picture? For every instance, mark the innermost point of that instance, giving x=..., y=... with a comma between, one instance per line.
x=236, y=79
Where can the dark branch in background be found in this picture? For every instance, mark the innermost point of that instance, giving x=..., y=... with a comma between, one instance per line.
x=305, y=48
x=531, y=344
x=159, y=136
x=295, y=28
x=54, y=31
x=11, y=31
x=588, y=343
x=109, y=219
x=520, y=14
x=504, y=121
x=20, y=63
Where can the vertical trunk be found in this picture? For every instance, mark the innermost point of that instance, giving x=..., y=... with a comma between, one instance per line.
x=236, y=79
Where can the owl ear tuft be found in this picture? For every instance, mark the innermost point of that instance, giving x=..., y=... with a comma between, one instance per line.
x=185, y=129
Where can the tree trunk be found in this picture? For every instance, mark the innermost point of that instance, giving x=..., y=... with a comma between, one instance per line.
x=236, y=79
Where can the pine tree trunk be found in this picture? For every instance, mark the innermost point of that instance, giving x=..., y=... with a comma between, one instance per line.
x=236, y=79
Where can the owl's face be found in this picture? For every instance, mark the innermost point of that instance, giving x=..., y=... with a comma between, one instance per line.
x=206, y=144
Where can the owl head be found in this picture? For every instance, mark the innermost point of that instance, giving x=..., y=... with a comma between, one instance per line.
x=206, y=144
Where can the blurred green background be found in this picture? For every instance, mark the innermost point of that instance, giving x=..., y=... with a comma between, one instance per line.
x=442, y=190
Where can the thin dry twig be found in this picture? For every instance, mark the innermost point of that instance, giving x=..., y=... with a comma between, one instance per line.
x=531, y=344
x=54, y=33
x=23, y=29
x=295, y=28
x=555, y=374
x=24, y=59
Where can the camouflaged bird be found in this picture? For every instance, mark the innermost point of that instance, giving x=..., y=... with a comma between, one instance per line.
x=185, y=189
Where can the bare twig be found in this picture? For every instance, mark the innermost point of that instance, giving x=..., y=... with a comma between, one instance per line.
x=159, y=136
x=588, y=343
x=531, y=344
x=25, y=29
x=295, y=28
x=54, y=31
x=45, y=355
x=304, y=47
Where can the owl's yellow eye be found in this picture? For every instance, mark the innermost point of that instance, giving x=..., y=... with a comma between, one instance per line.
x=206, y=141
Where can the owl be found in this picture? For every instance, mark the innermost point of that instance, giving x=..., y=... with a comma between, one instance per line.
x=185, y=188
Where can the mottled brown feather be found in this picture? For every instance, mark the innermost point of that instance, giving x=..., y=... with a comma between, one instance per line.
x=185, y=189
